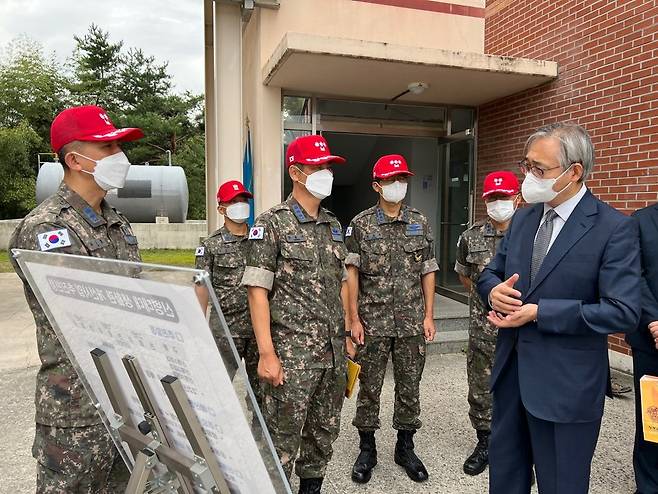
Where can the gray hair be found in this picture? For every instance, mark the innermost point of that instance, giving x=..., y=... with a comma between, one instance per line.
x=575, y=144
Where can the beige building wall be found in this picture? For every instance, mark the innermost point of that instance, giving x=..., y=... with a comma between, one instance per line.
x=261, y=35
x=224, y=129
x=372, y=22
x=262, y=106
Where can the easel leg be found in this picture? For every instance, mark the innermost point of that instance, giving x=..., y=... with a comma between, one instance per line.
x=143, y=464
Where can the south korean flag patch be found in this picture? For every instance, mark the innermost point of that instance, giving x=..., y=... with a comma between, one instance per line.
x=201, y=250
x=54, y=239
x=256, y=233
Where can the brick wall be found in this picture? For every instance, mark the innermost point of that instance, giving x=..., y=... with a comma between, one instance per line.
x=607, y=51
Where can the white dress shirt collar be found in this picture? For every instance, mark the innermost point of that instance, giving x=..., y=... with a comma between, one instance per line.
x=565, y=209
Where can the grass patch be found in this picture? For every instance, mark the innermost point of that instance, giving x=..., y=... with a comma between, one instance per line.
x=5, y=266
x=169, y=257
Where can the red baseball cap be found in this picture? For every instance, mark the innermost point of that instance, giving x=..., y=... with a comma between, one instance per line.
x=87, y=123
x=229, y=190
x=310, y=150
x=389, y=166
x=500, y=182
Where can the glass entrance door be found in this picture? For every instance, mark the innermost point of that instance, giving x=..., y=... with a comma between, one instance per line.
x=436, y=140
x=456, y=193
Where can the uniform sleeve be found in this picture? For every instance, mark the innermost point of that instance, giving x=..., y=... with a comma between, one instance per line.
x=204, y=258
x=462, y=266
x=262, y=255
x=353, y=244
x=34, y=237
x=429, y=261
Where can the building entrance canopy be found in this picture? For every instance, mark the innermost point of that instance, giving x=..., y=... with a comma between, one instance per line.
x=373, y=70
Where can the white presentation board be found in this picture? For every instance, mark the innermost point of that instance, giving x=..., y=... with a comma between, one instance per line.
x=152, y=313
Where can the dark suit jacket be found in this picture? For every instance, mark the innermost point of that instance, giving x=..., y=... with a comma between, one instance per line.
x=648, y=221
x=587, y=288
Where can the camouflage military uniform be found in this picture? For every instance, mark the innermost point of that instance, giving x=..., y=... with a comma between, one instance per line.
x=392, y=256
x=300, y=260
x=73, y=450
x=475, y=249
x=223, y=256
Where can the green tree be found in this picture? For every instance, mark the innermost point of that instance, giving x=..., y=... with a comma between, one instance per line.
x=97, y=66
x=191, y=156
x=142, y=79
x=141, y=90
x=18, y=148
x=132, y=86
x=32, y=85
x=168, y=121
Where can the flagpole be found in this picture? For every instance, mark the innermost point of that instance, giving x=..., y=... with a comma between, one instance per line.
x=248, y=172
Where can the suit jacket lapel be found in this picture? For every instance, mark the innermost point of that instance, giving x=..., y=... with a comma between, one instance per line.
x=528, y=232
x=578, y=224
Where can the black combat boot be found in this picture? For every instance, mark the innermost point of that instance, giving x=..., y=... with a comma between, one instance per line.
x=367, y=459
x=310, y=486
x=405, y=457
x=479, y=459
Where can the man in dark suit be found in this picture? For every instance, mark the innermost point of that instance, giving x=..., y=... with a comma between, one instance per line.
x=566, y=274
x=645, y=348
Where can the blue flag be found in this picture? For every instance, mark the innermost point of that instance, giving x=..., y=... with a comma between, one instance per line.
x=248, y=174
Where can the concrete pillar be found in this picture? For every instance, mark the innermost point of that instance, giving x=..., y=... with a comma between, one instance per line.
x=262, y=105
x=211, y=113
x=227, y=103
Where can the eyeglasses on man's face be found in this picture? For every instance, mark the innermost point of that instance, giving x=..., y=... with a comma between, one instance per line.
x=537, y=171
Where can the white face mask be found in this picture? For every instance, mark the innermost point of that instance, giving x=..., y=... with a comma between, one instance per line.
x=394, y=192
x=238, y=212
x=501, y=210
x=537, y=190
x=319, y=183
x=111, y=171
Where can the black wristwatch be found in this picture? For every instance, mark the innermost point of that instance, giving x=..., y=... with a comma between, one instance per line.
x=348, y=334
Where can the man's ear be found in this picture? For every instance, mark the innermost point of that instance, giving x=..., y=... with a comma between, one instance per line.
x=72, y=162
x=376, y=186
x=581, y=168
x=292, y=172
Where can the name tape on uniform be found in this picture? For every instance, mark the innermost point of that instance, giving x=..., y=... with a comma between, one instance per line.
x=54, y=239
x=256, y=233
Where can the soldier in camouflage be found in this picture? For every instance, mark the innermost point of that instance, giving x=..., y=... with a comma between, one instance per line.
x=391, y=270
x=223, y=256
x=296, y=277
x=73, y=450
x=475, y=249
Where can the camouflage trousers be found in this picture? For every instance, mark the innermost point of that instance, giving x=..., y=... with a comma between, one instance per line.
x=248, y=351
x=408, y=356
x=479, y=360
x=78, y=460
x=303, y=414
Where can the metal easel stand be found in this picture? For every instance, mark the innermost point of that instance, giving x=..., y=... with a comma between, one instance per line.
x=159, y=468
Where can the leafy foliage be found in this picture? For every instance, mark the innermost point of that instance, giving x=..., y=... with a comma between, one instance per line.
x=132, y=86
x=17, y=173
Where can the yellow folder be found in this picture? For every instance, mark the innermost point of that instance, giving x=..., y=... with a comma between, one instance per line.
x=649, y=397
x=353, y=370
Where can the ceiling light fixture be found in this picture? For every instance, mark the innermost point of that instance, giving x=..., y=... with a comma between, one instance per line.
x=413, y=88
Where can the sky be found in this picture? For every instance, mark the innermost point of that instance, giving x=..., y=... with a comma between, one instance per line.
x=170, y=30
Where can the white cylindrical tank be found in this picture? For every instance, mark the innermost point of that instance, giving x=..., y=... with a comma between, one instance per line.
x=150, y=191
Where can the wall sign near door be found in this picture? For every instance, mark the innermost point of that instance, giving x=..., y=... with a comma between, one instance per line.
x=427, y=182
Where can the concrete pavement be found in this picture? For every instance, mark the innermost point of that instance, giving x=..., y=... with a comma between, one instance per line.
x=443, y=443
